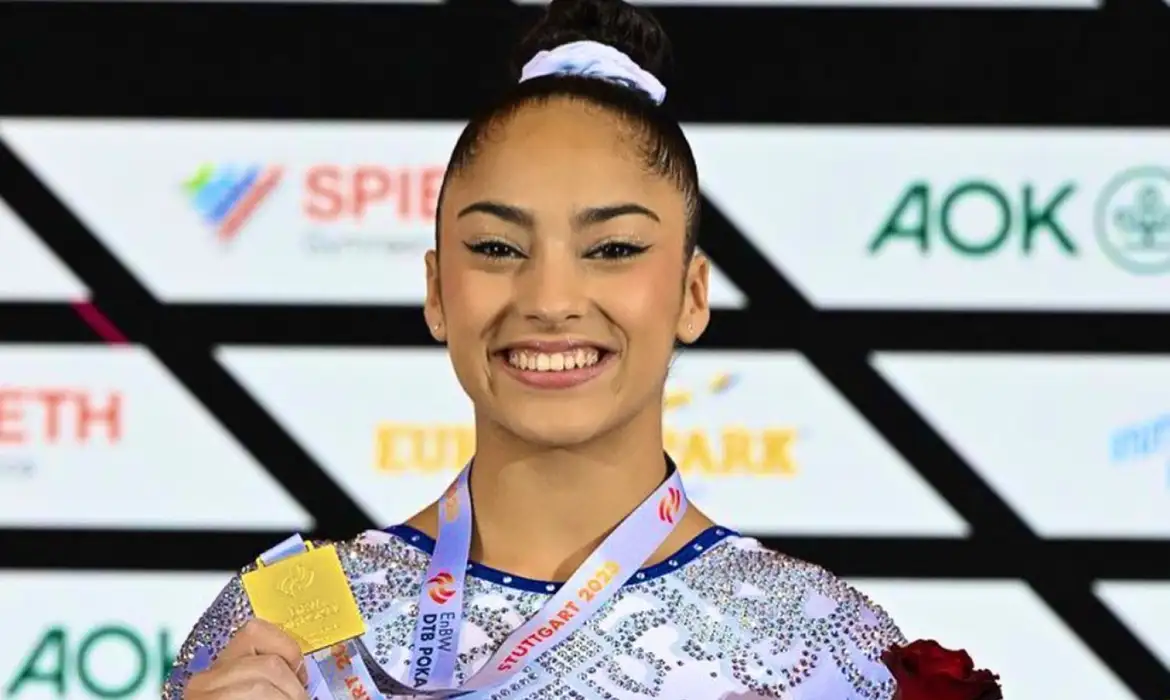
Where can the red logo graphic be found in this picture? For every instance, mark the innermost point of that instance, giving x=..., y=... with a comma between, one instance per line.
x=441, y=588
x=669, y=505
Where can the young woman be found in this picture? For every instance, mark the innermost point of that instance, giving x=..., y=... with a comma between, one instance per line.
x=564, y=274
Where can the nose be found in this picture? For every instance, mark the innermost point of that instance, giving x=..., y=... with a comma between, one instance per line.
x=551, y=291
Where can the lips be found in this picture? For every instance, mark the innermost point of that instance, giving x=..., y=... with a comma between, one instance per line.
x=558, y=364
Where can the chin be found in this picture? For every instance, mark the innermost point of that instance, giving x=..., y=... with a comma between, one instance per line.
x=557, y=431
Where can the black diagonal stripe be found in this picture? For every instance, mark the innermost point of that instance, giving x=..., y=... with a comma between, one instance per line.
x=317, y=325
x=1014, y=332
x=43, y=322
x=403, y=326
x=868, y=557
x=1087, y=333
x=1062, y=582
x=186, y=355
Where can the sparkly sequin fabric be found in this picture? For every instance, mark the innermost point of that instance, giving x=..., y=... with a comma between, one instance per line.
x=725, y=619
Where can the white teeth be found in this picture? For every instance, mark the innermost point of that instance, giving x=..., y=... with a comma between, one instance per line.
x=553, y=362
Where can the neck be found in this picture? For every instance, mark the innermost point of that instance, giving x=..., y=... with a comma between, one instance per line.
x=539, y=513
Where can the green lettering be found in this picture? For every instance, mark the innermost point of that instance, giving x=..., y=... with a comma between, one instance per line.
x=990, y=191
x=915, y=217
x=112, y=633
x=52, y=646
x=916, y=201
x=167, y=655
x=1046, y=218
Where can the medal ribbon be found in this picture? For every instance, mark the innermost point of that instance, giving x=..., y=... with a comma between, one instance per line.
x=592, y=585
x=346, y=671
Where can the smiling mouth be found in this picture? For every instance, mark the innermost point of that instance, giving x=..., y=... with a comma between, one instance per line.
x=532, y=361
x=555, y=370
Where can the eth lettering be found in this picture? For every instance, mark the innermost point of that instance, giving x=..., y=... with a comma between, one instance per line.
x=58, y=415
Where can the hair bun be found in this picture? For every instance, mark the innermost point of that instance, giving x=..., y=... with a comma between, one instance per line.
x=629, y=29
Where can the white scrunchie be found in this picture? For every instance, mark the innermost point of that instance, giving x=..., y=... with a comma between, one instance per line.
x=593, y=59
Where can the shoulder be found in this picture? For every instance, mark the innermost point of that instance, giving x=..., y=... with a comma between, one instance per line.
x=360, y=557
x=815, y=623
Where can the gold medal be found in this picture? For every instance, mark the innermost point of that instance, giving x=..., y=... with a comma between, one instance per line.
x=307, y=596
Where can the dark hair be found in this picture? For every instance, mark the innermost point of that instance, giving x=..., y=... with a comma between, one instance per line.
x=634, y=32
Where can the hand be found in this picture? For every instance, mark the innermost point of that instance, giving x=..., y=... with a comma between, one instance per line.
x=260, y=662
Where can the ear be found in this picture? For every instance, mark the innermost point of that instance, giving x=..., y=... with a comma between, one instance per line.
x=433, y=306
x=696, y=310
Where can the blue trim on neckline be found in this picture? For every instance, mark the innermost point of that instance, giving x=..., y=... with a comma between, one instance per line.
x=689, y=552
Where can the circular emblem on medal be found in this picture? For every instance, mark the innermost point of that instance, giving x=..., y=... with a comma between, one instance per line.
x=1132, y=220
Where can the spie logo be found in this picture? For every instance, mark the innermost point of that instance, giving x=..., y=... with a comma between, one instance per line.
x=227, y=197
x=669, y=505
x=441, y=588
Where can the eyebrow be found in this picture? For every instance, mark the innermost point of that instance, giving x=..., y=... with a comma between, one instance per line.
x=586, y=217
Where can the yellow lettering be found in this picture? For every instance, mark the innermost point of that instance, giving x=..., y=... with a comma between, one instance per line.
x=737, y=450
x=777, y=457
x=428, y=448
x=692, y=451
x=401, y=448
x=733, y=450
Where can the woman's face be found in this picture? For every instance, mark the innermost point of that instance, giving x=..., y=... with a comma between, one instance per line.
x=563, y=280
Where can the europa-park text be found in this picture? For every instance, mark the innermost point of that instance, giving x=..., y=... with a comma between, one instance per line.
x=431, y=448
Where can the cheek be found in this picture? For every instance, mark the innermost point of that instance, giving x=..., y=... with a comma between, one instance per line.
x=467, y=294
x=645, y=300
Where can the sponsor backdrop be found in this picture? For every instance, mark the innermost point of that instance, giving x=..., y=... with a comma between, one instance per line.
x=938, y=363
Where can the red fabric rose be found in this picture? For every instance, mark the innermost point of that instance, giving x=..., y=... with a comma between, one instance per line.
x=924, y=670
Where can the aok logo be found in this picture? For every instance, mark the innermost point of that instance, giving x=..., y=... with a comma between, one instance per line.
x=110, y=661
x=1132, y=220
x=441, y=587
x=978, y=218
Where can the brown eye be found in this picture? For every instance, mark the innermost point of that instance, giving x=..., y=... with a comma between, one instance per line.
x=615, y=250
x=494, y=249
